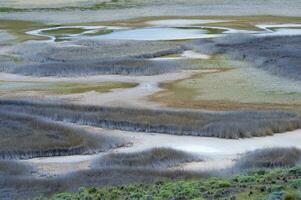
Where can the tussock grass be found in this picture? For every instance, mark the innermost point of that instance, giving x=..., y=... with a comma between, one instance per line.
x=278, y=55
x=153, y=158
x=92, y=50
x=92, y=57
x=232, y=125
x=25, y=136
x=117, y=66
x=270, y=158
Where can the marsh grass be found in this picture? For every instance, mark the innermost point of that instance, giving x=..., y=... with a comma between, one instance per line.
x=270, y=158
x=41, y=138
x=157, y=158
x=282, y=60
x=14, y=168
x=128, y=66
x=236, y=124
x=90, y=57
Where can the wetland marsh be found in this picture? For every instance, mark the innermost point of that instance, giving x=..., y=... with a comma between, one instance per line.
x=111, y=94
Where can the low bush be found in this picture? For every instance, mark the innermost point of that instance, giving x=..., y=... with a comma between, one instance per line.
x=196, y=188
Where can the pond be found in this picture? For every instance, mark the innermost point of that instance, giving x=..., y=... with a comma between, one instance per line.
x=152, y=34
x=159, y=30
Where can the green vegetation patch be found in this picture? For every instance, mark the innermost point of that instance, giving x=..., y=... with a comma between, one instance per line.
x=73, y=88
x=257, y=184
x=63, y=87
x=246, y=85
x=19, y=28
x=100, y=32
x=243, y=85
x=64, y=31
x=113, y=4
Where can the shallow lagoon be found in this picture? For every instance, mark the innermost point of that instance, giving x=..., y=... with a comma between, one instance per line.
x=182, y=30
x=152, y=34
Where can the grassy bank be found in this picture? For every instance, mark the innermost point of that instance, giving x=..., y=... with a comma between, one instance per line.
x=257, y=184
